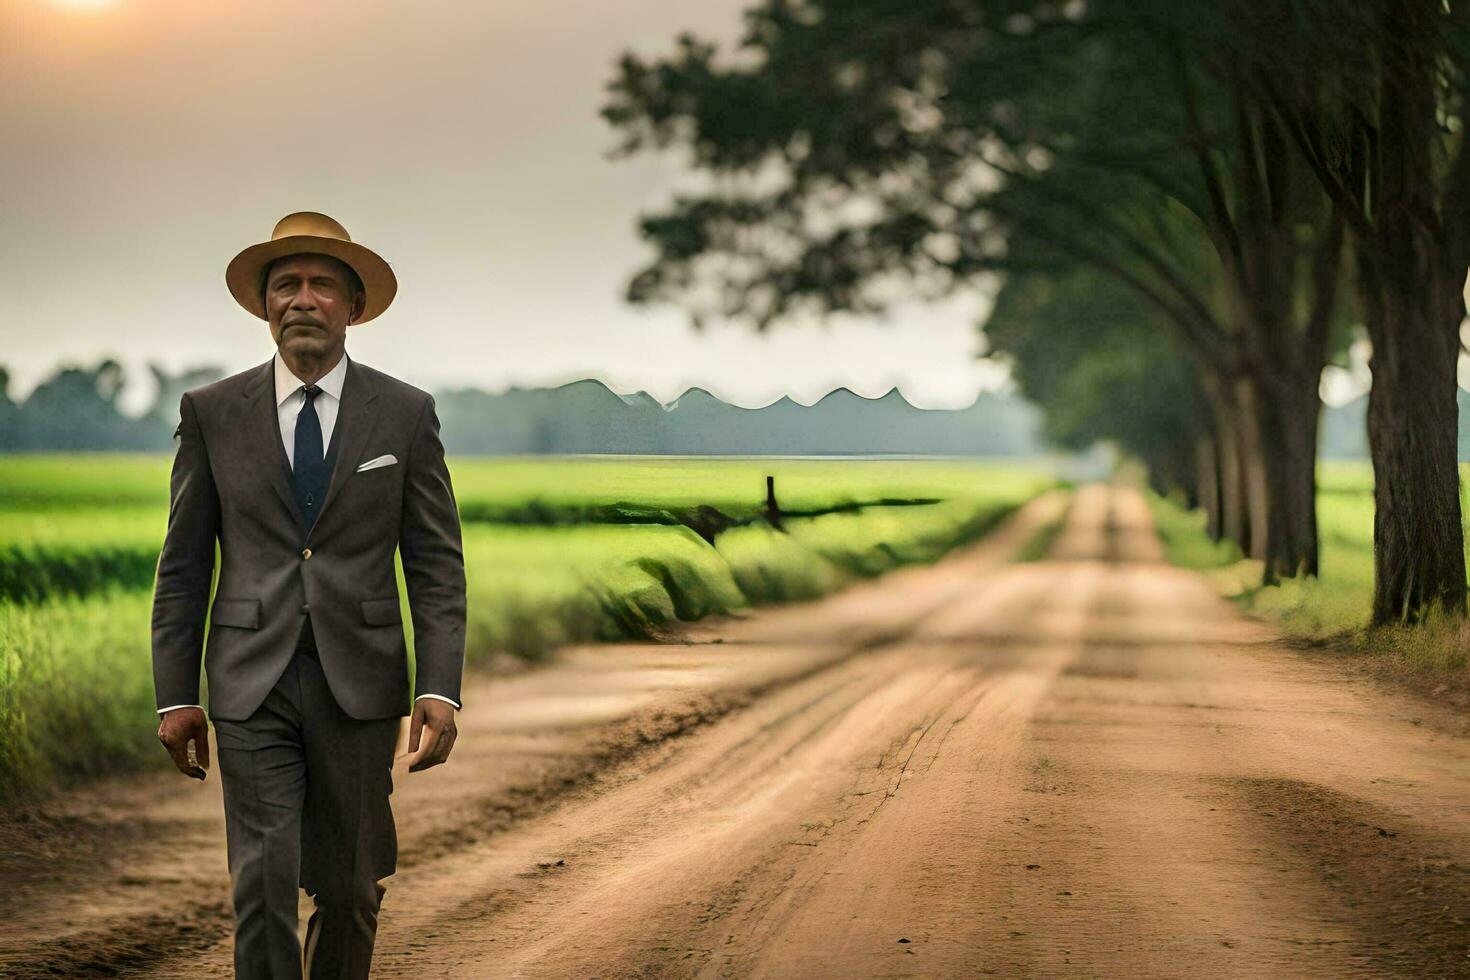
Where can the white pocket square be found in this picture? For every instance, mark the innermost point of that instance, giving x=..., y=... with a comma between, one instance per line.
x=387, y=459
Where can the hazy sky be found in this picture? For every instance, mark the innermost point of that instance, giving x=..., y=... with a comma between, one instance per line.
x=147, y=141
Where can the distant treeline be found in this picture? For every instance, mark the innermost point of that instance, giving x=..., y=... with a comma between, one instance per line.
x=75, y=409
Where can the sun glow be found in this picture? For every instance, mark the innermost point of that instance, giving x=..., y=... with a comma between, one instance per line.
x=82, y=4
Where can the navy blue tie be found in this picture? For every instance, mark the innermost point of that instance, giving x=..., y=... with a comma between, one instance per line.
x=309, y=472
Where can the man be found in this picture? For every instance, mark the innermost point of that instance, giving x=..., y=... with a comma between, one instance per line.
x=309, y=470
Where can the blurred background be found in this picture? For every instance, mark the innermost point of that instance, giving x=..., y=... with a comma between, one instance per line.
x=734, y=302
x=149, y=140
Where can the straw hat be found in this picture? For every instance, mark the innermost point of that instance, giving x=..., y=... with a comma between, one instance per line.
x=309, y=231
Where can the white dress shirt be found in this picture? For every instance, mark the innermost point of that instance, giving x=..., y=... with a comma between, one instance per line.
x=290, y=400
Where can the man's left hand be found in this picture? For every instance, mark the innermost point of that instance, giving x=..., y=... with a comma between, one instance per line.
x=433, y=725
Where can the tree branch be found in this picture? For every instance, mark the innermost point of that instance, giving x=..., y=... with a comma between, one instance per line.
x=1198, y=328
x=1308, y=138
x=1223, y=223
x=1100, y=219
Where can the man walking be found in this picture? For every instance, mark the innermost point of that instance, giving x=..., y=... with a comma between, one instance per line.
x=309, y=470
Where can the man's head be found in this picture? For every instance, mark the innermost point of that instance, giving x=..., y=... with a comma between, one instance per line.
x=357, y=278
x=309, y=300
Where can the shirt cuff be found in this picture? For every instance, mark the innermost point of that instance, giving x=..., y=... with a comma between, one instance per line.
x=439, y=697
x=173, y=706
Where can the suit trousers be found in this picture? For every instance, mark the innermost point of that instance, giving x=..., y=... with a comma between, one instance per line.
x=306, y=790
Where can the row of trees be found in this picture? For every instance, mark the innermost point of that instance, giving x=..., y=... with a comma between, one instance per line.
x=76, y=408
x=1222, y=188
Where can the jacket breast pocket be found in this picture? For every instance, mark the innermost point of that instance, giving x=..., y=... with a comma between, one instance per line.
x=381, y=612
x=244, y=613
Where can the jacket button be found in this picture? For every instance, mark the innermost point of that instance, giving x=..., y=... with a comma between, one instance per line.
x=306, y=607
x=305, y=552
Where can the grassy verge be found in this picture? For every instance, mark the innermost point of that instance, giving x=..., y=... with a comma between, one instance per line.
x=1329, y=612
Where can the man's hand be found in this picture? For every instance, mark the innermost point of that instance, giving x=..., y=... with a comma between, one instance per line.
x=438, y=717
x=178, y=727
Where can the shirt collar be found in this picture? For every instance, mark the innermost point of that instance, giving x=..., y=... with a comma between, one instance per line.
x=287, y=384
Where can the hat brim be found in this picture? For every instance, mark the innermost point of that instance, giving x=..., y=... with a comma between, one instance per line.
x=243, y=275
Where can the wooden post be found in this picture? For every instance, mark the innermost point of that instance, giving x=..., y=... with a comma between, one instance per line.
x=773, y=509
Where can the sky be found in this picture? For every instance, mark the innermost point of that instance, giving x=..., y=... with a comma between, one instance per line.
x=147, y=141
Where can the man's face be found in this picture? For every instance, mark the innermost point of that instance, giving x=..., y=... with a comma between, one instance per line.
x=309, y=300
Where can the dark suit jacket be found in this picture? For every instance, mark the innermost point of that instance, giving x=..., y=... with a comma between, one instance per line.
x=231, y=482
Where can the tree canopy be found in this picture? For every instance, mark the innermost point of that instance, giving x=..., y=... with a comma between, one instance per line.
x=1220, y=158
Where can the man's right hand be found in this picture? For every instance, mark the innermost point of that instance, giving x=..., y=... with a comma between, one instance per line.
x=178, y=727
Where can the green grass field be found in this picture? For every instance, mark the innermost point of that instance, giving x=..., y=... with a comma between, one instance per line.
x=54, y=482
x=549, y=560
x=77, y=524
x=1335, y=606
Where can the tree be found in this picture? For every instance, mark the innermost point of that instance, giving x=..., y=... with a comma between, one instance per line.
x=169, y=387
x=1373, y=94
x=864, y=142
x=76, y=409
x=9, y=414
x=1086, y=348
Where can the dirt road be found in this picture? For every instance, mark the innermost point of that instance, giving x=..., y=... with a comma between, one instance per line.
x=1086, y=766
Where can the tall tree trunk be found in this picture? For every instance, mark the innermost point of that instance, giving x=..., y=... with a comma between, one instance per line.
x=1290, y=409
x=1234, y=518
x=1413, y=421
x=1253, y=464
x=1176, y=469
x=1282, y=341
x=1412, y=279
x=1207, y=468
x=1186, y=474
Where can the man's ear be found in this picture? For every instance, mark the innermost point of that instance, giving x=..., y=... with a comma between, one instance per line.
x=359, y=303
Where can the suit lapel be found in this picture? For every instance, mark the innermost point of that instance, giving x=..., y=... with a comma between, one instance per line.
x=355, y=419
x=263, y=436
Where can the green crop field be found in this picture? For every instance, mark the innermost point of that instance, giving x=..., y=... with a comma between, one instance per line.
x=557, y=550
